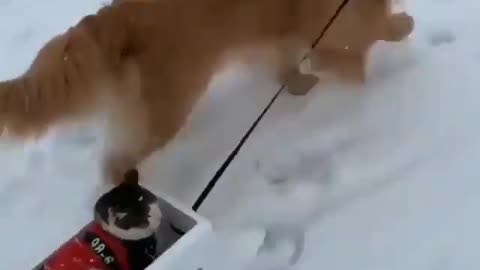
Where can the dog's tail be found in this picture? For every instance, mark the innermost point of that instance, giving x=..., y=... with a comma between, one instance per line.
x=29, y=107
x=68, y=78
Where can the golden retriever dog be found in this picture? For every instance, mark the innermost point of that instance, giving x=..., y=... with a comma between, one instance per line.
x=144, y=64
x=345, y=47
x=343, y=50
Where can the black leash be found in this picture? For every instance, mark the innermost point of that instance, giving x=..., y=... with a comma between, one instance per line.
x=211, y=184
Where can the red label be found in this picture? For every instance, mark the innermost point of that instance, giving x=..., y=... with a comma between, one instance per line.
x=91, y=249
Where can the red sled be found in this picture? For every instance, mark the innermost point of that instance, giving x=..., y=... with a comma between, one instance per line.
x=103, y=244
x=94, y=249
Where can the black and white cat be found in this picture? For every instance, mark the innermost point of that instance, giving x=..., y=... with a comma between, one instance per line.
x=131, y=213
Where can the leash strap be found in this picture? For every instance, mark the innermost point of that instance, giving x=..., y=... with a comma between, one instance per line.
x=211, y=184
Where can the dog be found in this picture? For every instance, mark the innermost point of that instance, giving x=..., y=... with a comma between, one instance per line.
x=144, y=64
x=343, y=50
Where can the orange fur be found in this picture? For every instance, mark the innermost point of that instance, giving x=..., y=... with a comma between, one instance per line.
x=344, y=48
x=145, y=64
x=346, y=45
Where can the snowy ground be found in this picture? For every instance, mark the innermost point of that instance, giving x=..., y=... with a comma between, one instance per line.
x=416, y=121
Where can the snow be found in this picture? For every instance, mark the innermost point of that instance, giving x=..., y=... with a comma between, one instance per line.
x=403, y=192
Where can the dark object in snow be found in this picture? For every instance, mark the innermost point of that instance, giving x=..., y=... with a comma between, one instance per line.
x=121, y=237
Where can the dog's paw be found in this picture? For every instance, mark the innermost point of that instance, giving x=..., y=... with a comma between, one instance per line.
x=300, y=84
x=400, y=26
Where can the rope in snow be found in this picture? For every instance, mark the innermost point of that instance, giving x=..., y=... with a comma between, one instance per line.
x=211, y=184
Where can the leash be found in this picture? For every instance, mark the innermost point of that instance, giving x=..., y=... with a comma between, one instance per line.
x=211, y=184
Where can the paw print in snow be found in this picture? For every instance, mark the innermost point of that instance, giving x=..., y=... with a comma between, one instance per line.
x=441, y=37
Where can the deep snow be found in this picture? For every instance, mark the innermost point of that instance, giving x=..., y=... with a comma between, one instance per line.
x=407, y=187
